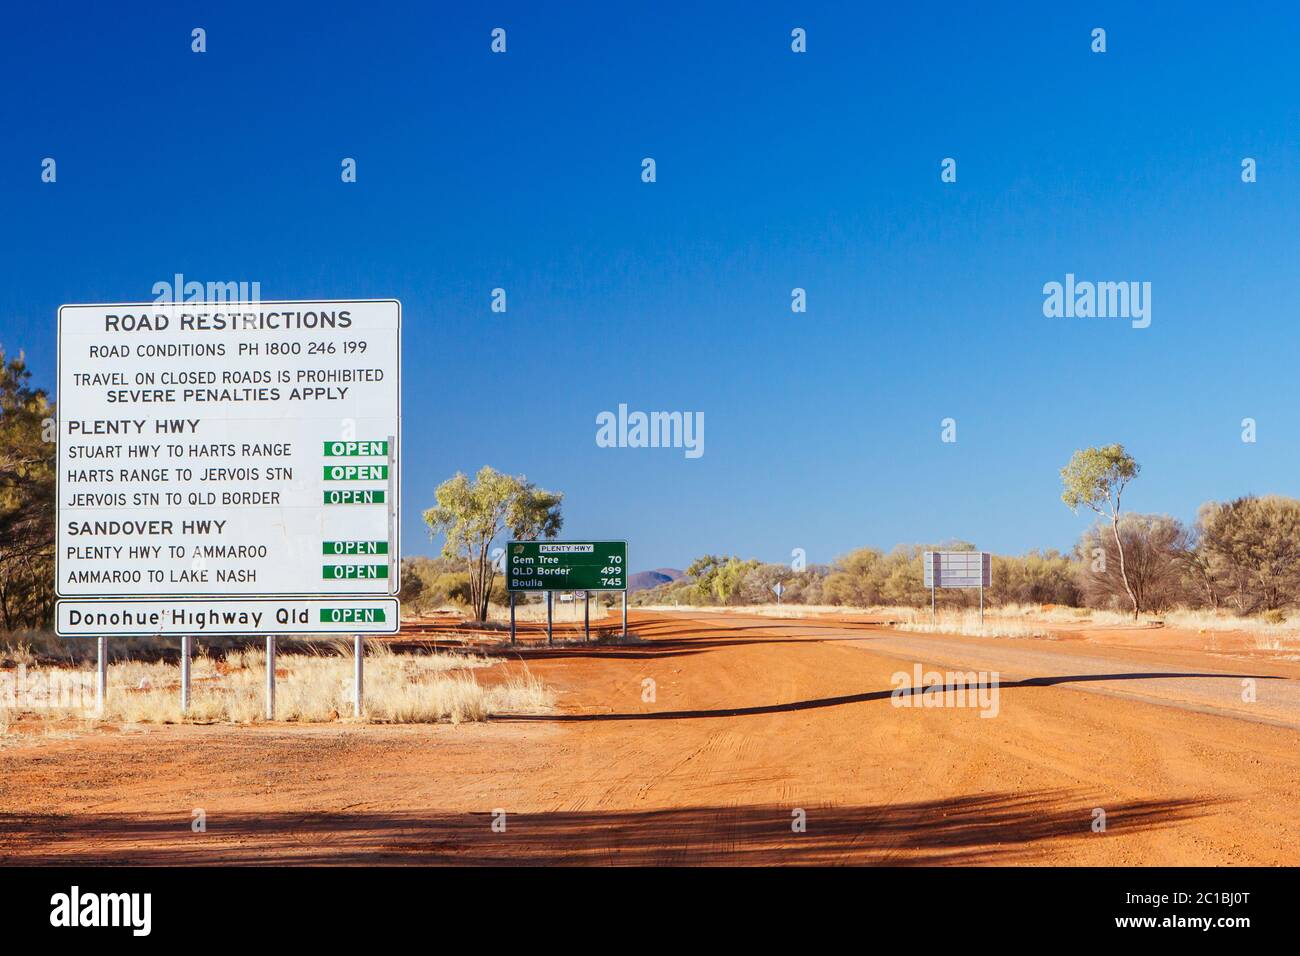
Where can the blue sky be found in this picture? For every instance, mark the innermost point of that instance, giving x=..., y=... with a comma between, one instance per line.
x=775, y=170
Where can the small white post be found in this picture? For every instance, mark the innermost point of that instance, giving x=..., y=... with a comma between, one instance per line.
x=359, y=676
x=270, y=677
x=101, y=675
x=185, y=674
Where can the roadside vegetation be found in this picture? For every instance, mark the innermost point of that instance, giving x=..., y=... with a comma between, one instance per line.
x=311, y=687
x=474, y=514
x=967, y=623
x=1236, y=567
x=27, y=469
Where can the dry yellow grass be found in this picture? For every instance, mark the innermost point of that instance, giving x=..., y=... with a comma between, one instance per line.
x=30, y=647
x=1026, y=620
x=966, y=623
x=767, y=610
x=311, y=687
x=565, y=612
x=904, y=618
x=1269, y=634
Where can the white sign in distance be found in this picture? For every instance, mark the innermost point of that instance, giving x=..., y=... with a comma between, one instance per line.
x=229, y=449
x=958, y=569
x=199, y=617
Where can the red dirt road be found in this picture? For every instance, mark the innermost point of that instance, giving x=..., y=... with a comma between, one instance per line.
x=753, y=724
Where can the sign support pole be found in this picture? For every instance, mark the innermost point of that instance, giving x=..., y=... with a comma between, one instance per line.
x=101, y=675
x=549, y=606
x=625, y=614
x=270, y=677
x=586, y=614
x=981, y=602
x=512, y=617
x=932, y=621
x=359, y=675
x=185, y=674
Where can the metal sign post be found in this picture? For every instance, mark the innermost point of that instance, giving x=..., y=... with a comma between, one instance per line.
x=586, y=614
x=185, y=674
x=270, y=677
x=625, y=614
x=359, y=674
x=512, y=617
x=101, y=675
x=549, y=616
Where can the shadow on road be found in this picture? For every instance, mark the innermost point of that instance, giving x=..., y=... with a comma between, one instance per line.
x=840, y=701
x=985, y=828
x=650, y=650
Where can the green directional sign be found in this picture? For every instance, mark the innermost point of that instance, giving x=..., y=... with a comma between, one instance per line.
x=566, y=566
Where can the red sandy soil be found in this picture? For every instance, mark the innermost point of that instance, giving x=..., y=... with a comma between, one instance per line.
x=753, y=719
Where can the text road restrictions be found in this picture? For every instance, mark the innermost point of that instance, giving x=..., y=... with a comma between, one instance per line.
x=566, y=566
x=214, y=450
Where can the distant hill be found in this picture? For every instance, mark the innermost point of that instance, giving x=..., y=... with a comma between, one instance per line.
x=644, y=580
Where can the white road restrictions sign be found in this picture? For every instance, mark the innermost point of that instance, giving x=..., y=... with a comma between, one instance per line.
x=229, y=450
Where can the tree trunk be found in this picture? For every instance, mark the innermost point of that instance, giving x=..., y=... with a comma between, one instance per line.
x=476, y=597
x=482, y=572
x=1123, y=572
x=484, y=594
